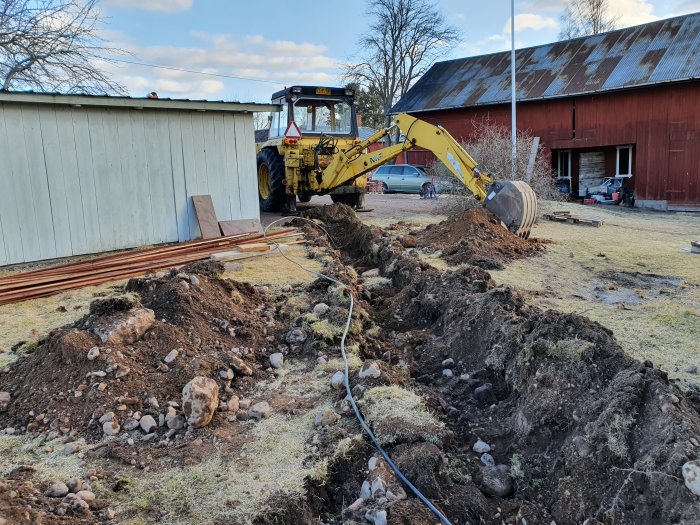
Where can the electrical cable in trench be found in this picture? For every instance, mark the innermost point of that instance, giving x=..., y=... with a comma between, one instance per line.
x=350, y=397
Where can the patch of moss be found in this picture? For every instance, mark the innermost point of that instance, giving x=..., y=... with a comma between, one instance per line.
x=326, y=330
x=568, y=348
x=617, y=434
x=376, y=282
x=517, y=470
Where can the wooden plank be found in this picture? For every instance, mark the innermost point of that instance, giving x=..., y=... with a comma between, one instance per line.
x=254, y=247
x=240, y=226
x=232, y=166
x=236, y=255
x=177, y=164
x=206, y=216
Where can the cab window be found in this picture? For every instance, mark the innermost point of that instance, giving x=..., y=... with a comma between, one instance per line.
x=323, y=116
x=279, y=120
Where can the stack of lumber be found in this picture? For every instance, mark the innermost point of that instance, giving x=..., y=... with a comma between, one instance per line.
x=571, y=218
x=55, y=279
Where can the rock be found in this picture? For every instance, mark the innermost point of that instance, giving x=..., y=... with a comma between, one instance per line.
x=108, y=514
x=480, y=447
x=86, y=495
x=409, y=241
x=277, y=360
x=111, y=428
x=447, y=372
x=378, y=488
x=194, y=280
x=130, y=424
x=79, y=506
x=75, y=485
x=124, y=328
x=200, y=397
x=377, y=517
x=241, y=367
x=121, y=371
x=61, y=509
x=464, y=377
x=233, y=267
x=107, y=416
x=484, y=394
x=287, y=288
x=4, y=401
x=72, y=448
x=226, y=375
x=148, y=424
x=370, y=369
x=175, y=423
x=691, y=369
x=57, y=490
x=352, y=508
x=321, y=308
x=448, y=362
x=245, y=404
x=296, y=336
x=260, y=410
x=374, y=272
x=93, y=353
x=327, y=417
x=487, y=459
x=691, y=475
x=170, y=358
x=496, y=480
x=338, y=380
x=365, y=491
x=583, y=447
x=152, y=402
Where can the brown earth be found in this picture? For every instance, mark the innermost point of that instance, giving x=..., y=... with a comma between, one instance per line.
x=476, y=237
x=583, y=432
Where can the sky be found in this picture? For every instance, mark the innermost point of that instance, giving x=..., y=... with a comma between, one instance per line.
x=270, y=44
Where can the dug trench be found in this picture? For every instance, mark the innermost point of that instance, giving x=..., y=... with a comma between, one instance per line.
x=547, y=420
x=497, y=411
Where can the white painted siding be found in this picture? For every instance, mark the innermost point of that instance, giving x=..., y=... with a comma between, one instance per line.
x=77, y=180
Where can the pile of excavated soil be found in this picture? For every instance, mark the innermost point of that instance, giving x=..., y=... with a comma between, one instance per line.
x=476, y=237
x=575, y=430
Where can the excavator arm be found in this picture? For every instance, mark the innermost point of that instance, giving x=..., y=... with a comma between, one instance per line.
x=513, y=202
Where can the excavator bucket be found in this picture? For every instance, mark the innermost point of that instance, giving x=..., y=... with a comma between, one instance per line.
x=515, y=204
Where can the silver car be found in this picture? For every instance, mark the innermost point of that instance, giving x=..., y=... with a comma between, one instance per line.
x=403, y=178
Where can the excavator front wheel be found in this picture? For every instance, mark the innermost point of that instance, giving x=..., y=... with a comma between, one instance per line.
x=354, y=200
x=271, y=190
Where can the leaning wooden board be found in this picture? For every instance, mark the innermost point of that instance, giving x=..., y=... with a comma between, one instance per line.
x=240, y=226
x=575, y=219
x=206, y=216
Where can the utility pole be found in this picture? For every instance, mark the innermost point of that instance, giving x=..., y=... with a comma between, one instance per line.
x=513, y=131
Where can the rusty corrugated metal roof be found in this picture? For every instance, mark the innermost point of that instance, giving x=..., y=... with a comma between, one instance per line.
x=658, y=52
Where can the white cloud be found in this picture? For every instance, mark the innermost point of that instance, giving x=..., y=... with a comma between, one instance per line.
x=633, y=12
x=279, y=62
x=530, y=21
x=687, y=6
x=166, y=6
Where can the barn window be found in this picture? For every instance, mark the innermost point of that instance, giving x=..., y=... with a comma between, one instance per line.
x=624, y=161
x=564, y=164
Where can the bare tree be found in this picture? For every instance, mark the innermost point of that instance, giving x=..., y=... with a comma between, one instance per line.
x=54, y=45
x=403, y=40
x=587, y=17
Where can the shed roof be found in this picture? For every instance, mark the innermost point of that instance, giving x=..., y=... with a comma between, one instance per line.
x=31, y=97
x=658, y=52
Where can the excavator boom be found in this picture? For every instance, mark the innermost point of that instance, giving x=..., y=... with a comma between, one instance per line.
x=513, y=202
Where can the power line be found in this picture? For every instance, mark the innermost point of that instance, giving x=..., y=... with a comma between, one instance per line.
x=173, y=68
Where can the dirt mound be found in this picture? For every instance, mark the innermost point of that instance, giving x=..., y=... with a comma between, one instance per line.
x=82, y=372
x=577, y=430
x=476, y=237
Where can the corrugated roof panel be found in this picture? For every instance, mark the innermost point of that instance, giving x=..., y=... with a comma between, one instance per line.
x=662, y=51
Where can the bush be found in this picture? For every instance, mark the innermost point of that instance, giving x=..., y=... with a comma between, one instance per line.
x=491, y=148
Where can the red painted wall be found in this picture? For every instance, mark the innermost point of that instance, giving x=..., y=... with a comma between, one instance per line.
x=663, y=123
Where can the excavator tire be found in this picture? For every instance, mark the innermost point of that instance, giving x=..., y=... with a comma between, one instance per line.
x=271, y=190
x=354, y=200
x=304, y=197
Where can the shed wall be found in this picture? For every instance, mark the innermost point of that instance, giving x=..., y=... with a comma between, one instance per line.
x=78, y=180
x=662, y=122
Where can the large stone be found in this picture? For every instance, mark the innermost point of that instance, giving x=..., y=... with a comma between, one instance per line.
x=124, y=328
x=296, y=336
x=276, y=360
x=338, y=380
x=327, y=417
x=111, y=428
x=148, y=424
x=4, y=401
x=691, y=475
x=200, y=397
x=496, y=480
x=480, y=447
x=321, y=308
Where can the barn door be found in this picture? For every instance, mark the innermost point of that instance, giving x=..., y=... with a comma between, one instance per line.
x=591, y=170
x=683, y=178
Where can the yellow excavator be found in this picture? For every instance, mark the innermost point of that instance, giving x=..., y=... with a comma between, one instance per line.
x=312, y=147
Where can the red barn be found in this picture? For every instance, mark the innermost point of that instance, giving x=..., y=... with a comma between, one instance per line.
x=623, y=103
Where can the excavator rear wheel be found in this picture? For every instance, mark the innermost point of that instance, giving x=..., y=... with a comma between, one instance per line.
x=354, y=200
x=271, y=191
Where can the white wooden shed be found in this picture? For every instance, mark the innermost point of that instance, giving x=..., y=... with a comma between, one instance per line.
x=87, y=174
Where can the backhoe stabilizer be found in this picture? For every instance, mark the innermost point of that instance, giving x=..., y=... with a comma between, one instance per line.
x=515, y=205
